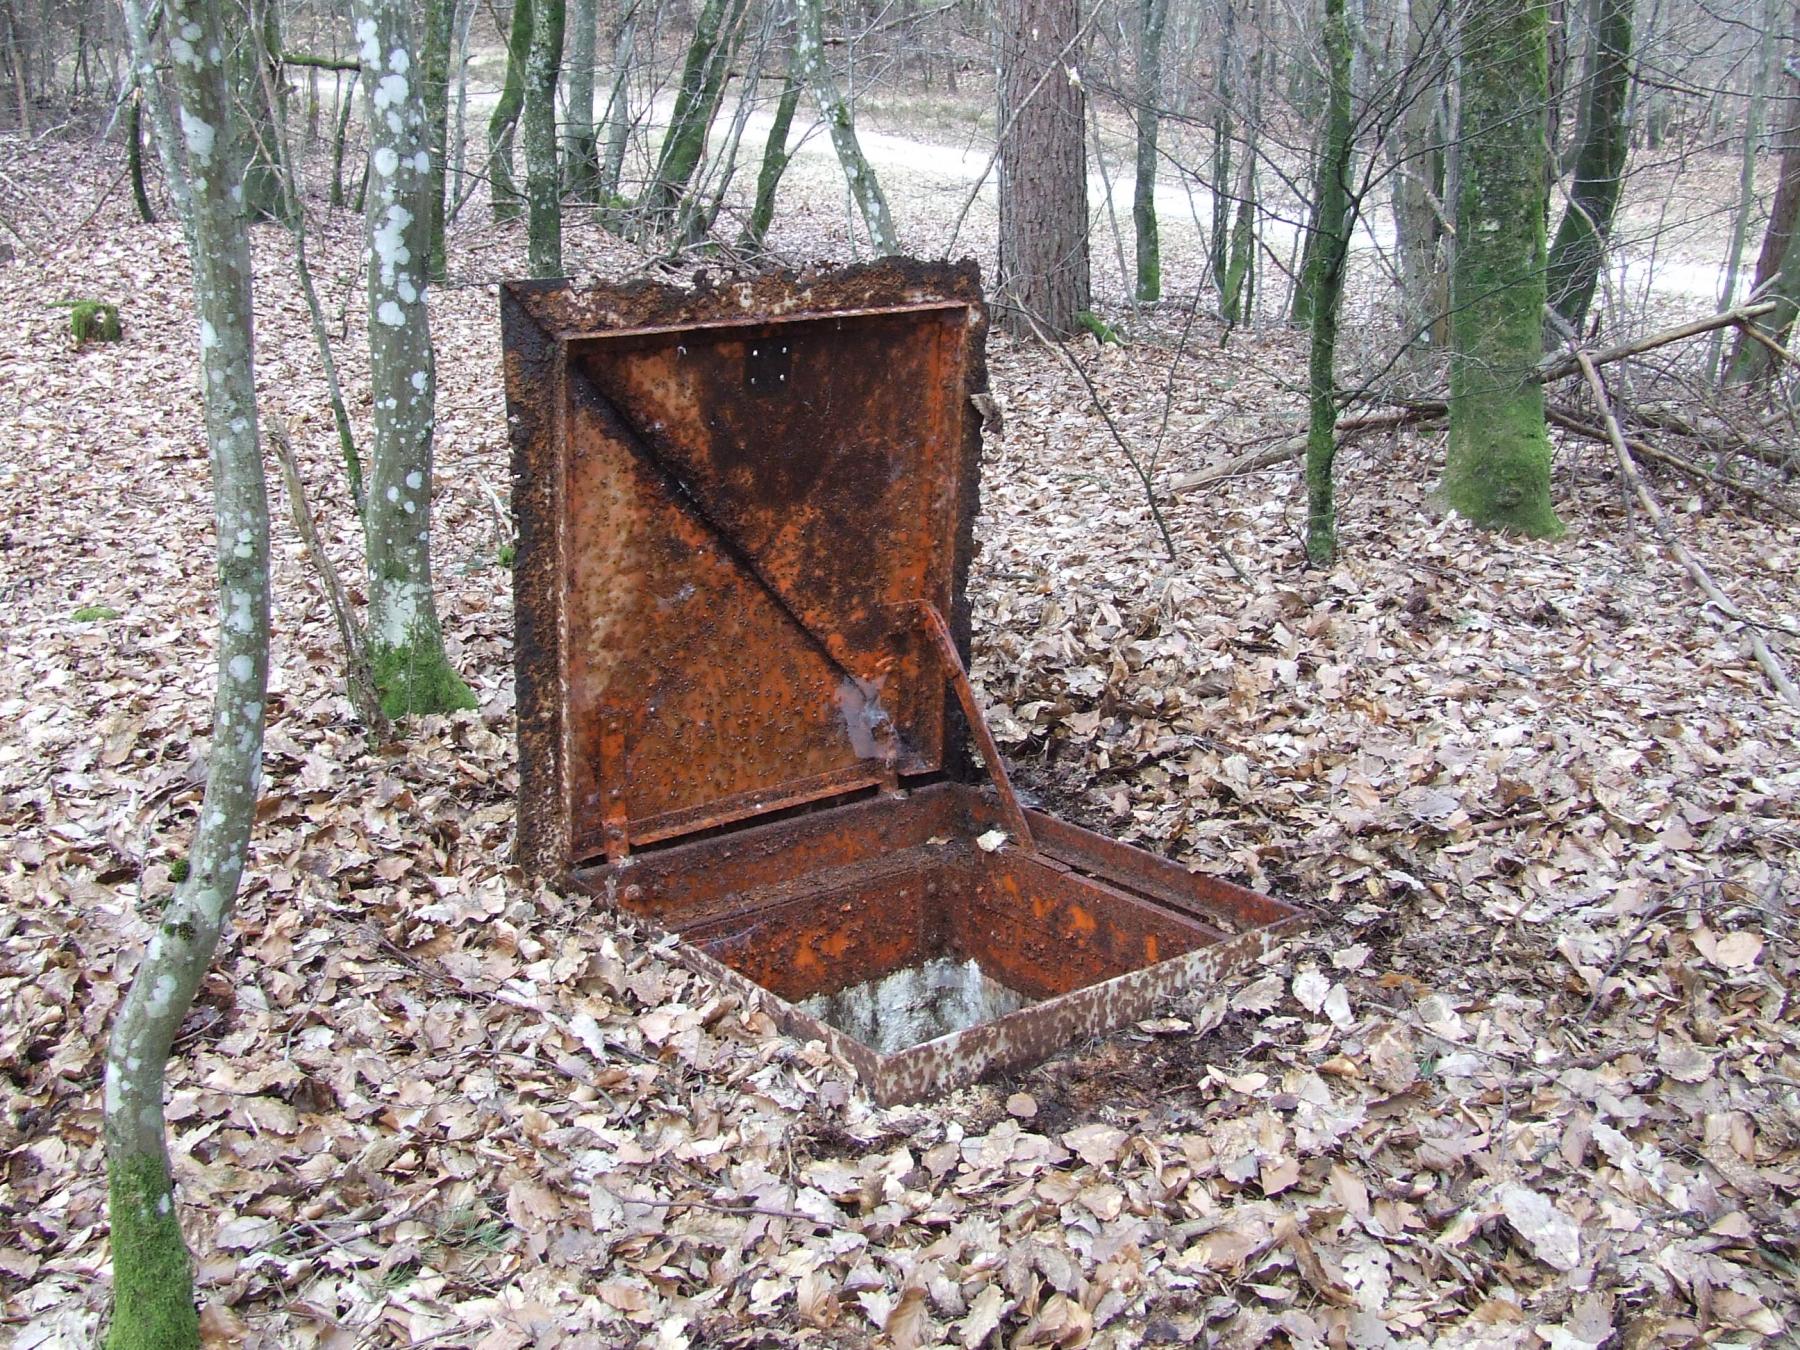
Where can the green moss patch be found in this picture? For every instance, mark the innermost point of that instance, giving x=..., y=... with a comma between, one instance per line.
x=153, y=1279
x=417, y=679
x=94, y=321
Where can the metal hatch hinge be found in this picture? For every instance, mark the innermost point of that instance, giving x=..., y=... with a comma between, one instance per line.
x=1010, y=810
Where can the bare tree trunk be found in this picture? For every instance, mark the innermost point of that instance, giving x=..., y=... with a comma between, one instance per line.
x=1778, y=265
x=1762, y=80
x=716, y=34
x=809, y=57
x=543, y=172
x=505, y=117
x=1237, y=287
x=1419, y=191
x=153, y=1296
x=406, y=646
x=581, y=162
x=774, y=164
x=618, y=108
x=1580, y=244
x=1152, y=16
x=257, y=39
x=134, y=156
x=143, y=63
x=1043, y=273
x=16, y=51
x=1222, y=132
x=346, y=99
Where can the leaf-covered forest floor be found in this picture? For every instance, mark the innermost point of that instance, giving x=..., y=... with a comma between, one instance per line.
x=1531, y=1077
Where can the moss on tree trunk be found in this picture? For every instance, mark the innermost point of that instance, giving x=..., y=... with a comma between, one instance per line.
x=1152, y=17
x=1498, y=468
x=503, y=194
x=153, y=1279
x=1325, y=283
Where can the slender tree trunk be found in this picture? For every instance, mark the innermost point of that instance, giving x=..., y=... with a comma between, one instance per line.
x=503, y=194
x=1238, y=290
x=406, y=647
x=434, y=76
x=153, y=1294
x=1778, y=265
x=134, y=156
x=346, y=100
x=456, y=192
x=1152, y=17
x=618, y=109
x=16, y=49
x=1237, y=286
x=1785, y=209
x=1327, y=287
x=1498, y=468
x=1043, y=273
x=581, y=158
x=1761, y=81
x=543, y=172
x=809, y=58
x=144, y=65
x=774, y=164
x=262, y=179
x=1418, y=192
x=1580, y=245
x=1223, y=129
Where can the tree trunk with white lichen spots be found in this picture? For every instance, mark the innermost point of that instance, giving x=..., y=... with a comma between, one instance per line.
x=865, y=188
x=406, y=646
x=153, y=1291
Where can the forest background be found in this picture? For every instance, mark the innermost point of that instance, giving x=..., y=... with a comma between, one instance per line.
x=1531, y=1077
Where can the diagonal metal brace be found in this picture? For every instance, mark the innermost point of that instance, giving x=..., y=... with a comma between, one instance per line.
x=1010, y=810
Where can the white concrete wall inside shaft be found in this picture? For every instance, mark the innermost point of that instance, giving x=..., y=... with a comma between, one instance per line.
x=915, y=1005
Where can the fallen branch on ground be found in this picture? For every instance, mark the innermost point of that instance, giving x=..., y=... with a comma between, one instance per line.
x=359, y=679
x=1567, y=365
x=1764, y=657
x=1572, y=423
x=1266, y=457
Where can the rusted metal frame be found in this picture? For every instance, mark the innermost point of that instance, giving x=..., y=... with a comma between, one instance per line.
x=1011, y=812
x=615, y=817
x=1220, y=903
x=746, y=805
x=918, y=860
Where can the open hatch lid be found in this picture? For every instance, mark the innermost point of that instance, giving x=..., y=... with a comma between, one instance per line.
x=730, y=502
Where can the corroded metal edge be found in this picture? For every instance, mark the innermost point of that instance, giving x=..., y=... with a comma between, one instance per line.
x=531, y=355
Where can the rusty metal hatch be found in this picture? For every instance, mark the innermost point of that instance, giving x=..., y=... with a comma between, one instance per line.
x=745, y=526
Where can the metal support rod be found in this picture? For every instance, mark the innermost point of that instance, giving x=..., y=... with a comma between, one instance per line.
x=1010, y=810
